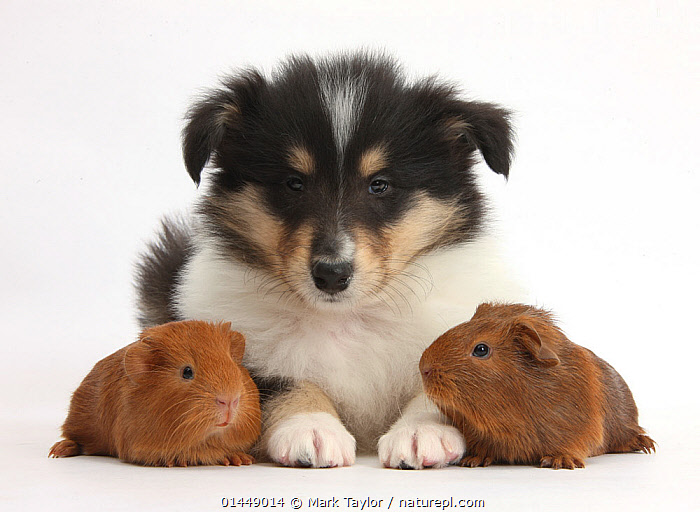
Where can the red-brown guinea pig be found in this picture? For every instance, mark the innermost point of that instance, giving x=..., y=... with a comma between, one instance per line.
x=521, y=392
x=177, y=396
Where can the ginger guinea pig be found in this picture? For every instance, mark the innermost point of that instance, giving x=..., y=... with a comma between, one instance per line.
x=521, y=392
x=176, y=397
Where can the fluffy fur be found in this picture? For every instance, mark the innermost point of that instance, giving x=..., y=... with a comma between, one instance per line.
x=341, y=229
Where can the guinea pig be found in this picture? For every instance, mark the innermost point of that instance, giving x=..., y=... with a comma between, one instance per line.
x=521, y=392
x=178, y=396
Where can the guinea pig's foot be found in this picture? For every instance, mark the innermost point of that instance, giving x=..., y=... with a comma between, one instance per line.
x=474, y=461
x=238, y=459
x=311, y=440
x=65, y=448
x=561, y=462
x=176, y=462
x=419, y=445
x=644, y=444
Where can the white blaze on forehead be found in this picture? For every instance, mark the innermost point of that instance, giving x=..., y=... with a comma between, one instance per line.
x=343, y=98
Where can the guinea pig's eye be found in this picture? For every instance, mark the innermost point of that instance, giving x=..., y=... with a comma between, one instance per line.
x=294, y=183
x=378, y=186
x=187, y=373
x=481, y=351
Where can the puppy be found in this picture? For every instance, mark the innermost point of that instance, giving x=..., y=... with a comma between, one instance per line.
x=341, y=230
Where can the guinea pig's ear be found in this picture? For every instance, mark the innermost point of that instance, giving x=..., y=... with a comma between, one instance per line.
x=225, y=327
x=483, y=309
x=542, y=351
x=137, y=360
x=210, y=118
x=237, y=346
x=486, y=127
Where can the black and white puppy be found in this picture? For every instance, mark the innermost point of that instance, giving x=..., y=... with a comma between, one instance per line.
x=341, y=229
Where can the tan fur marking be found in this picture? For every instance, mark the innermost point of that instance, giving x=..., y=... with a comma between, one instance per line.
x=430, y=222
x=370, y=259
x=284, y=255
x=304, y=397
x=372, y=161
x=383, y=262
x=295, y=250
x=301, y=160
x=242, y=213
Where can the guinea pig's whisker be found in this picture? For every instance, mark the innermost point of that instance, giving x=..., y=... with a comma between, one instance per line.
x=187, y=424
x=184, y=400
x=176, y=426
x=245, y=418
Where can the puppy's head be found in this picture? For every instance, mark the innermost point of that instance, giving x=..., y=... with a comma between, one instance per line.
x=332, y=176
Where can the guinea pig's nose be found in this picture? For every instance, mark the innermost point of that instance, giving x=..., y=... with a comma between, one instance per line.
x=426, y=370
x=227, y=408
x=332, y=277
x=226, y=402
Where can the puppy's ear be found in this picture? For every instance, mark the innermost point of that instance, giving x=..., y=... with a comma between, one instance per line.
x=486, y=127
x=210, y=119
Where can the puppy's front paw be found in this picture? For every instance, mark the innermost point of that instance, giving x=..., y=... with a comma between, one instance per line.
x=315, y=440
x=420, y=445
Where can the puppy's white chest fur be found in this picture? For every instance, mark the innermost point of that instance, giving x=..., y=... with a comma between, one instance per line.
x=366, y=357
x=367, y=364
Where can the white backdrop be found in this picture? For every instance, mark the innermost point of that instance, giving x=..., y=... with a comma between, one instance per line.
x=600, y=215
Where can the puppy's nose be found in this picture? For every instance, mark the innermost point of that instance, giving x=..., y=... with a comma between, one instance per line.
x=331, y=277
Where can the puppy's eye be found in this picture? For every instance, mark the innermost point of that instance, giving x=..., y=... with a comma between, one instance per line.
x=294, y=183
x=378, y=186
x=187, y=373
x=481, y=351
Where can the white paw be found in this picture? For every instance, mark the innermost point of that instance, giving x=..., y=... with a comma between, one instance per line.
x=418, y=445
x=316, y=440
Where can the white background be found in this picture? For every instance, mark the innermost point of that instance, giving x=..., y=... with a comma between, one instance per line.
x=600, y=216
